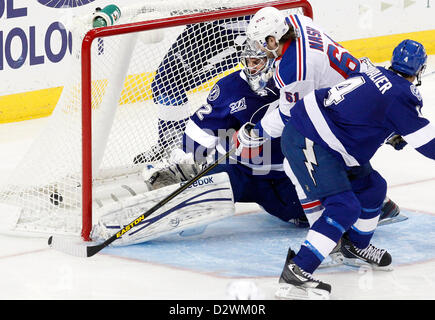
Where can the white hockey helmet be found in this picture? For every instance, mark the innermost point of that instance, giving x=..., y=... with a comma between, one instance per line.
x=268, y=21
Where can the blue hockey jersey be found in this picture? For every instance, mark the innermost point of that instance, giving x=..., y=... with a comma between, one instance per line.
x=354, y=118
x=230, y=104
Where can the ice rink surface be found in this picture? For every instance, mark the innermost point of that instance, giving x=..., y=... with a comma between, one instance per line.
x=252, y=245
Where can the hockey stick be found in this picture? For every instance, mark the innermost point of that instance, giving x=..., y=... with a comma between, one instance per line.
x=82, y=250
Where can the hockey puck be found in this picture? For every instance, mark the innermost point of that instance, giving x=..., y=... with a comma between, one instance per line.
x=243, y=290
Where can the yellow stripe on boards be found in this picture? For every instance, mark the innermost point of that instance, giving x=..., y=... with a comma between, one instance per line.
x=28, y=105
x=380, y=49
x=41, y=103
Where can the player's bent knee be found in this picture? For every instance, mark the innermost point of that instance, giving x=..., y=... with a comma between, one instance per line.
x=343, y=208
x=371, y=190
x=379, y=184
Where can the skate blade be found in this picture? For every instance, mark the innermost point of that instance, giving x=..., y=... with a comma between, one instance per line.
x=358, y=263
x=400, y=217
x=333, y=260
x=291, y=292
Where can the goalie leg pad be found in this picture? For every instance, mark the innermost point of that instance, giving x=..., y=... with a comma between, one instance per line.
x=209, y=199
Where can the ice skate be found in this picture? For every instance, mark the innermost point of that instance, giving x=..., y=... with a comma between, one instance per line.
x=390, y=213
x=379, y=259
x=296, y=284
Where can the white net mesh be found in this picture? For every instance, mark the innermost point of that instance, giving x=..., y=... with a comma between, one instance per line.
x=144, y=87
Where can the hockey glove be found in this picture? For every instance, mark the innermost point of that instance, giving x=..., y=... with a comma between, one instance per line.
x=366, y=64
x=248, y=145
x=397, y=142
x=157, y=178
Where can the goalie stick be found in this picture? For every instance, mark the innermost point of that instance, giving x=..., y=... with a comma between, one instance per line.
x=82, y=250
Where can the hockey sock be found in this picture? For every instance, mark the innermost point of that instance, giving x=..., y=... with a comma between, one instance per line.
x=320, y=241
x=370, y=191
x=313, y=210
x=362, y=230
x=340, y=213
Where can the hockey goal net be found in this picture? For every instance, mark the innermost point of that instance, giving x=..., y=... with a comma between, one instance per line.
x=131, y=88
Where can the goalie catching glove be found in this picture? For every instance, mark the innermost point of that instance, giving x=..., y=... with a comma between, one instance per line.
x=162, y=177
x=179, y=168
x=248, y=144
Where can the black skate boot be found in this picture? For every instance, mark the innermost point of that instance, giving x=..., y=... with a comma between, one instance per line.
x=379, y=259
x=389, y=209
x=297, y=284
x=390, y=213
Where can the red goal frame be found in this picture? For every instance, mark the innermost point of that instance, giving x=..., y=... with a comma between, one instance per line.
x=86, y=77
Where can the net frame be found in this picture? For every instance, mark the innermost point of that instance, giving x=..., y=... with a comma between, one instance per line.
x=64, y=181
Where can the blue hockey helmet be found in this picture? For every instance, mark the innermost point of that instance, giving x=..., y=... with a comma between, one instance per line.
x=409, y=58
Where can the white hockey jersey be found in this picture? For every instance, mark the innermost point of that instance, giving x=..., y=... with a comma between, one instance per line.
x=312, y=61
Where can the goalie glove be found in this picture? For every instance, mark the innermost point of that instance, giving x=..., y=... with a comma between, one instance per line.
x=158, y=177
x=248, y=144
x=366, y=64
x=397, y=142
x=178, y=156
x=180, y=167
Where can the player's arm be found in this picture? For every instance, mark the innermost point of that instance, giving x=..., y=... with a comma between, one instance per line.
x=200, y=139
x=412, y=126
x=423, y=140
x=273, y=123
x=204, y=129
x=201, y=136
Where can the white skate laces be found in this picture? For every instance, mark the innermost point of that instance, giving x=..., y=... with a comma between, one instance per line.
x=371, y=253
x=379, y=259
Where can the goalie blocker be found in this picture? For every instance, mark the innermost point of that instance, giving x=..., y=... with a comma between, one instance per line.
x=209, y=199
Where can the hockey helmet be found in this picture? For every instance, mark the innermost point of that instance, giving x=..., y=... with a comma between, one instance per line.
x=268, y=21
x=409, y=58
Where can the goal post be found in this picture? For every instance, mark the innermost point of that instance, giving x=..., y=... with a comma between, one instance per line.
x=112, y=109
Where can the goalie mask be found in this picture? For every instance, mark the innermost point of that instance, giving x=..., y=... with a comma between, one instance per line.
x=256, y=67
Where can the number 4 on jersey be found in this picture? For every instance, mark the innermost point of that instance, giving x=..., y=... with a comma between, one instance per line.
x=336, y=94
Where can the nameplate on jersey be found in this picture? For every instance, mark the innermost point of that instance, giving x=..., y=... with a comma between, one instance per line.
x=238, y=106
